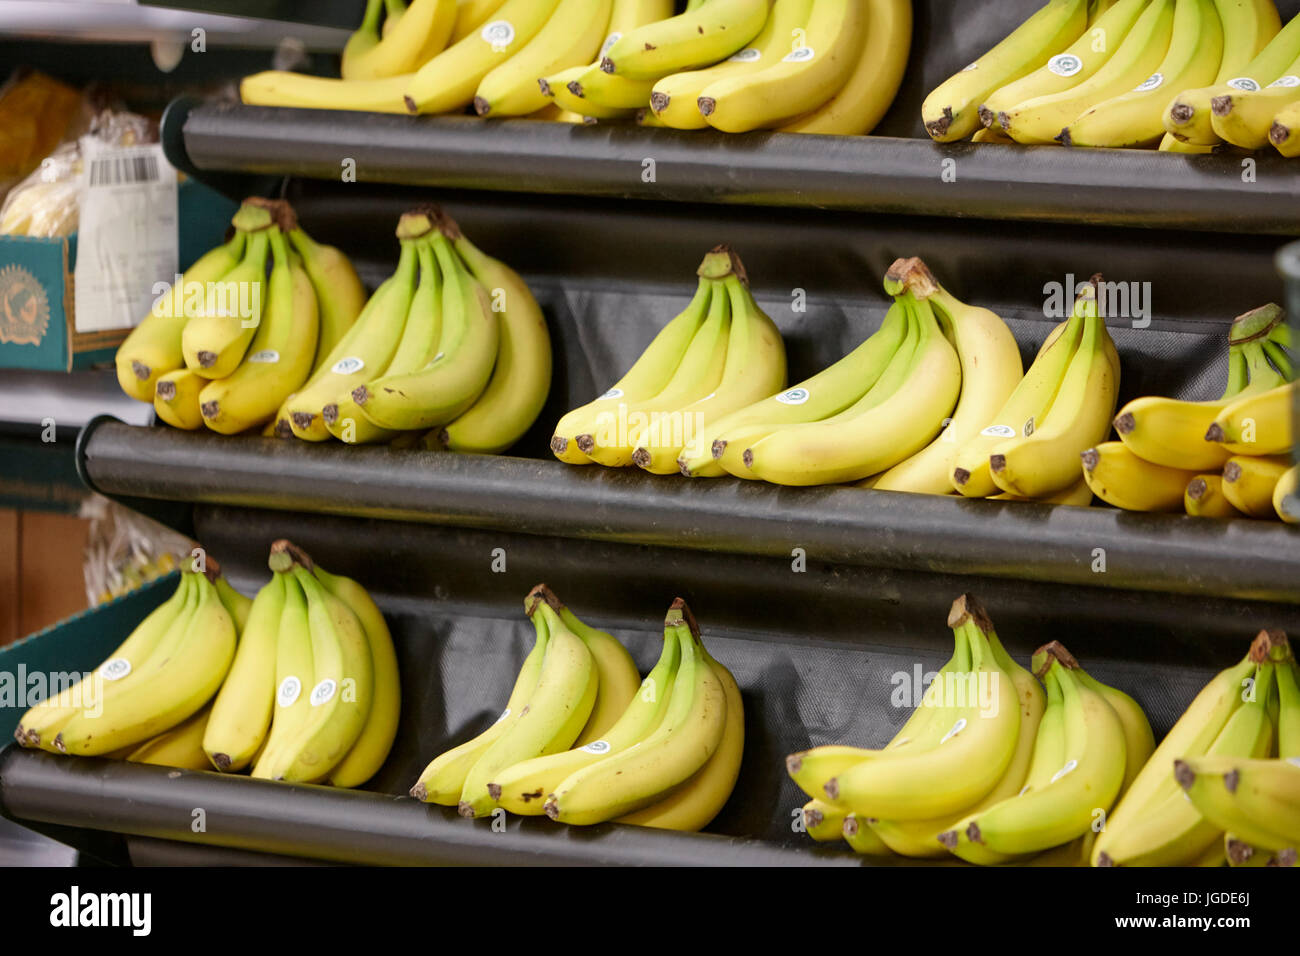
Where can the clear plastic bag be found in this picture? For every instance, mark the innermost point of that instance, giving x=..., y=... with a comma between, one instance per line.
x=125, y=549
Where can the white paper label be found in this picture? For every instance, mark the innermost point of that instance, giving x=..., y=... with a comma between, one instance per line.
x=794, y=396
x=1152, y=82
x=348, y=366
x=1243, y=83
x=265, y=357
x=1068, y=768
x=127, y=234
x=499, y=34
x=115, y=669
x=609, y=42
x=323, y=692
x=1288, y=80
x=1065, y=64
x=747, y=55
x=999, y=431
x=803, y=54
x=956, y=729
x=289, y=690
x=612, y=393
x=597, y=747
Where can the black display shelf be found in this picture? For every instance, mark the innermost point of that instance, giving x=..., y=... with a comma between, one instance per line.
x=877, y=174
x=1166, y=553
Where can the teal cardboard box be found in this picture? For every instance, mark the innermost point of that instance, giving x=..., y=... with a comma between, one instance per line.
x=54, y=658
x=37, y=325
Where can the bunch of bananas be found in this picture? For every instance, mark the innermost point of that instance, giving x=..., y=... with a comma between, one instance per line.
x=1230, y=457
x=988, y=768
x=300, y=683
x=719, y=355
x=1102, y=73
x=451, y=352
x=228, y=344
x=806, y=66
x=583, y=739
x=160, y=678
x=1209, y=792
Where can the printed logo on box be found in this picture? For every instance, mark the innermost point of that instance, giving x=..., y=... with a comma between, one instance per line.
x=24, y=307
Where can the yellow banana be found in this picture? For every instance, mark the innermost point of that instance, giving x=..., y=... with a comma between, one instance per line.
x=1286, y=496
x=215, y=339
x=1119, y=477
x=1249, y=483
x=471, y=15
x=176, y=398
x=180, y=747
x=418, y=35
x=711, y=32
x=1258, y=424
x=340, y=296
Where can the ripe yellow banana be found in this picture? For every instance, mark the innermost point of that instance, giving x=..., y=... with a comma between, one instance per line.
x=1136, y=118
x=1284, y=133
x=990, y=371
x=1119, y=477
x=805, y=78
x=521, y=377
x=590, y=91
x=294, y=666
x=1204, y=498
x=176, y=398
x=217, y=336
x=419, y=34
x=1041, y=119
x=1258, y=424
x=674, y=97
x=180, y=747
x=571, y=37
x=823, y=822
x=865, y=97
x=1286, y=496
x=471, y=15
x=153, y=347
x=280, y=356
x=711, y=32
x=951, y=111
x=282, y=88
x=340, y=296
x=1249, y=483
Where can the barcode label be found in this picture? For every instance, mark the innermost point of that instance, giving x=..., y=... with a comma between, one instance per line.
x=116, y=170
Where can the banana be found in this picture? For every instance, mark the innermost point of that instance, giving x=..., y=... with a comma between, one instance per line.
x=176, y=398
x=235, y=603
x=1064, y=807
x=1245, y=117
x=1042, y=119
x=1255, y=54
x=802, y=80
x=1204, y=498
x=340, y=296
x=342, y=690
x=1284, y=133
x=551, y=719
x=217, y=335
x=521, y=377
x=471, y=15
x=180, y=747
x=279, y=358
x=711, y=32
x=1286, y=496
x=618, y=680
x=421, y=331
x=172, y=686
x=363, y=41
x=810, y=769
x=294, y=666
x=597, y=91
x=455, y=377
x=39, y=725
x=1258, y=424
x=1288, y=718
x=419, y=34
x=755, y=367
x=371, y=749
x=1171, y=432
x=523, y=787
x=153, y=347
x=1043, y=461
x=826, y=394
x=1135, y=118
x=1139, y=740
x=444, y=778
x=1214, y=786
x=854, y=446
x=865, y=97
x=862, y=837
x=1242, y=854
x=367, y=346
x=282, y=88
x=693, y=805
x=823, y=822
x=241, y=712
x=1078, y=495
x=969, y=760
x=1148, y=798
x=951, y=111
x=990, y=371
x=1075, y=65
x=571, y=37
x=674, y=98
x=649, y=375
x=618, y=433
x=558, y=88
x=449, y=81
x=691, y=732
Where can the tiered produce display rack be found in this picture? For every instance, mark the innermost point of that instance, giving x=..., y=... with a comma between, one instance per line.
x=1154, y=603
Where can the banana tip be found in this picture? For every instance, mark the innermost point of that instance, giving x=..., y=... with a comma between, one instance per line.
x=420, y=792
